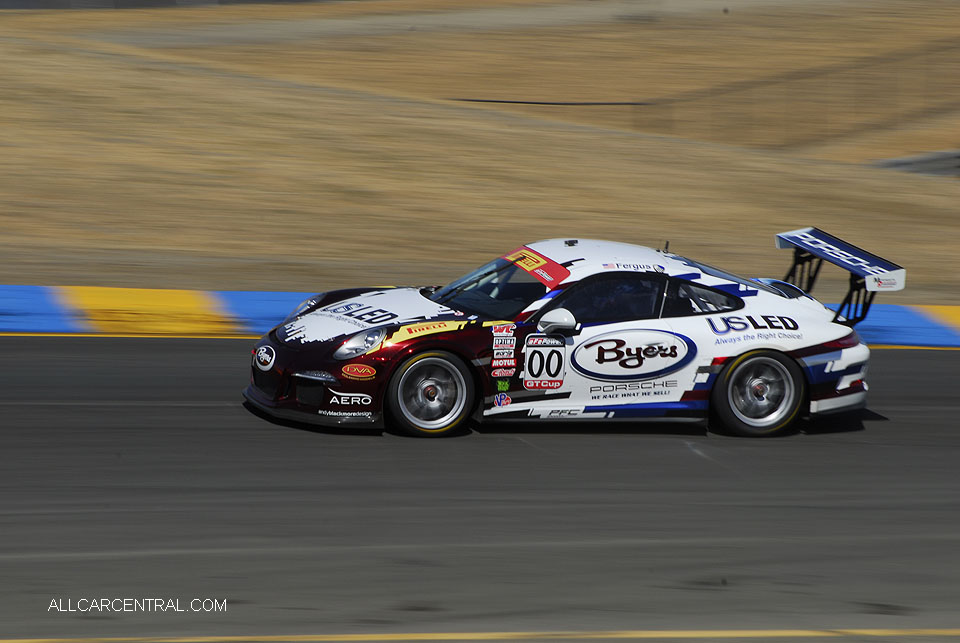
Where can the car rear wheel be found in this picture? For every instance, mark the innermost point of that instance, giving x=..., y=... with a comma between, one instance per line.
x=759, y=394
x=431, y=394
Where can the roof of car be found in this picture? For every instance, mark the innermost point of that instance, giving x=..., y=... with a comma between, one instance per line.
x=587, y=256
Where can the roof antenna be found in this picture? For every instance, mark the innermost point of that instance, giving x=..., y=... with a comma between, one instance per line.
x=666, y=246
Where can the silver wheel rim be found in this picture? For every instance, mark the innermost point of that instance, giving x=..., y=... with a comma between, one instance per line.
x=432, y=393
x=761, y=392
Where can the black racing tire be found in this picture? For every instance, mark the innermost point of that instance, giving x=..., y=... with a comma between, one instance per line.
x=759, y=394
x=431, y=394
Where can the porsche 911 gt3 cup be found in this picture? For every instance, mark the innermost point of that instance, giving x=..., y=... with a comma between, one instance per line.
x=577, y=329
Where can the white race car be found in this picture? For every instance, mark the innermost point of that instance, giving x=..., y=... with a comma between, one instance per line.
x=576, y=329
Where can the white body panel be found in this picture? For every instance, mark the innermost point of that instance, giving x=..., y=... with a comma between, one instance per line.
x=366, y=311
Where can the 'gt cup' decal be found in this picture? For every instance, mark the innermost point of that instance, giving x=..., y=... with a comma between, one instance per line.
x=633, y=355
x=544, y=364
x=264, y=357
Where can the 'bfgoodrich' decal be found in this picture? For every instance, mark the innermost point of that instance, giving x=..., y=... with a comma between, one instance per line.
x=638, y=354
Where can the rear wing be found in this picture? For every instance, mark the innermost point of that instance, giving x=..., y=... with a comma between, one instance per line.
x=869, y=274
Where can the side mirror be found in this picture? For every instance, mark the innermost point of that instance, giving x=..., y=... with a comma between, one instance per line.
x=558, y=319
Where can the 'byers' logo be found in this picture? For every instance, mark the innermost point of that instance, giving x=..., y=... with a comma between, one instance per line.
x=264, y=357
x=616, y=350
x=358, y=372
x=633, y=355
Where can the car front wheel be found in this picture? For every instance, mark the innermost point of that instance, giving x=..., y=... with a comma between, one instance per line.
x=431, y=394
x=759, y=394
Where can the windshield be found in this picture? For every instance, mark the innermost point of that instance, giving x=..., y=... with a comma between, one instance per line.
x=499, y=290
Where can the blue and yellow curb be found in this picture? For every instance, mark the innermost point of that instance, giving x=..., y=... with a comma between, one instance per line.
x=148, y=312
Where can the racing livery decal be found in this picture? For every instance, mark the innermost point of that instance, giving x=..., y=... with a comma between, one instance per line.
x=548, y=272
x=350, y=399
x=358, y=372
x=632, y=390
x=724, y=325
x=637, y=267
x=503, y=344
x=639, y=354
x=544, y=362
x=503, y=329
x=264, y=357
x=426, y=328
x=360, y=314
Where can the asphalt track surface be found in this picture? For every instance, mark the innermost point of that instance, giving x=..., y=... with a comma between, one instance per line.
x=130, y=469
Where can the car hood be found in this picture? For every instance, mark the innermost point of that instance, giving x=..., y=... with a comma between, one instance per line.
x=388, y=307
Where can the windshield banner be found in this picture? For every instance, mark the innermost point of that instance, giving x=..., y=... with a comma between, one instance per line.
x=547, y=271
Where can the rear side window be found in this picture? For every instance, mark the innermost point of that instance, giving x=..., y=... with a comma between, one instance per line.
x=685, y=299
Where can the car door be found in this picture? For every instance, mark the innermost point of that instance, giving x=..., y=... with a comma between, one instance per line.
x=692, y=309
x=619, y=358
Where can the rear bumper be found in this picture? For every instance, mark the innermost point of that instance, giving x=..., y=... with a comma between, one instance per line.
x=289, y=411
x=850, y=402
x=838, y=380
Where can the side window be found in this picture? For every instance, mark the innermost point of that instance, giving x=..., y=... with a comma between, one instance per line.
x=615, y=297
x=685, y=299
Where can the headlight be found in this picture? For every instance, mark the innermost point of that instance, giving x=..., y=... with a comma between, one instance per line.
x=304, y=306
x=360, y=344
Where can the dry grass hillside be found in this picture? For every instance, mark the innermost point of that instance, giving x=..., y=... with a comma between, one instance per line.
x=313, y=146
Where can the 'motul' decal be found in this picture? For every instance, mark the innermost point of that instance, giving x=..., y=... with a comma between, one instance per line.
x=633, y=355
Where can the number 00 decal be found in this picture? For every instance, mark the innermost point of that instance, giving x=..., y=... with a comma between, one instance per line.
x=545, y=362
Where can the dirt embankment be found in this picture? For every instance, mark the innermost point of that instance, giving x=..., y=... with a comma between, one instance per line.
x=213, y=161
